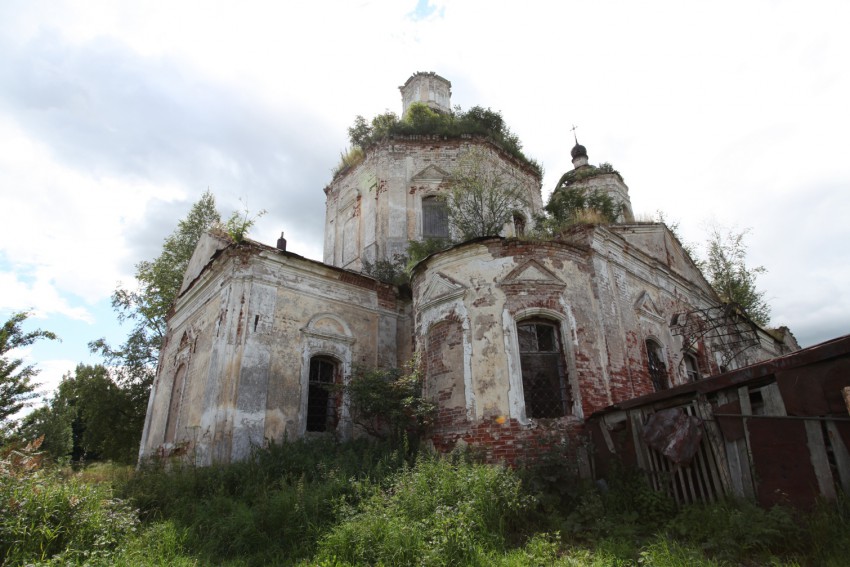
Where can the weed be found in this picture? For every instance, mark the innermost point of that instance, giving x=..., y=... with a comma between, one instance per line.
x=44, y=515
x=437, y=513
x=732, y=530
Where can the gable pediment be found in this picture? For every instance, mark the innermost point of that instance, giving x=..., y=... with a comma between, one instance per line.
x=646, y=306
x=432, y=173
x=532, y=273
x=441, y=288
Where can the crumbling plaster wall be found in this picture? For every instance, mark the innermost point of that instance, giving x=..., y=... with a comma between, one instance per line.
x=375, y=208
x=607, y=296
x=253, y=320
x=480, y=290
x=643, y=278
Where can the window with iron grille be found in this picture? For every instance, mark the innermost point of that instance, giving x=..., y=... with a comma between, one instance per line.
x=435, y=218
x=544, y=376
x=321, y=400
x=657, y=369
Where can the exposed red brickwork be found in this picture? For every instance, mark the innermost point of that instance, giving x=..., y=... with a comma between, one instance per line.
x=444, y=373
x=387, y=294
x=500, y=440
x=522, y=250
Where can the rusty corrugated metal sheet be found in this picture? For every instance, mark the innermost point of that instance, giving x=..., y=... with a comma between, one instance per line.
x=794, y=451
x=782, y=463
x=815, y=389
x=731, y=427
x=756, y=374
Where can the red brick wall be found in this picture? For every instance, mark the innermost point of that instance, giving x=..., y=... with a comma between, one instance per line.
x=499, y=440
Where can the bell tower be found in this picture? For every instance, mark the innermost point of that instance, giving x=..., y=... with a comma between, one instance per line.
x=429, y=88
x=390, y=195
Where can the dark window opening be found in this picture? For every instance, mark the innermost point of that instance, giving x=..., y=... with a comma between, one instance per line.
x=657, y=369
x=691, y=367
x=544, y=376
x=321, y=399
x=435, y=218
x=519, y=225
x=756, y=402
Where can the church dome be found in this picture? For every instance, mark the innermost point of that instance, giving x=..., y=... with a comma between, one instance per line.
x=578, y=151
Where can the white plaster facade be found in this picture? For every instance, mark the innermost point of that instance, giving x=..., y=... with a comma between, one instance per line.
x=375, y=209
x=239, y=358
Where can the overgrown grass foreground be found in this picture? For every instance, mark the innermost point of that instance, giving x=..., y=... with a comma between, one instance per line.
x=321, y=503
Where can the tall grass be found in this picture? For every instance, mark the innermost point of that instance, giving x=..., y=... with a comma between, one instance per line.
x=45, y=515
x=437, y=513
x=276, y=504
x=337, y=505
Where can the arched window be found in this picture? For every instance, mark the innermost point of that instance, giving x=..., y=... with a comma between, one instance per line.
x=174, y=404
x=657, y=369
x=321, y=399
x=435, y=218
x=544, y=374
x=519, y=225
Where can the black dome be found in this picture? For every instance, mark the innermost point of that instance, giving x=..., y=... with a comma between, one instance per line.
x=578, y=151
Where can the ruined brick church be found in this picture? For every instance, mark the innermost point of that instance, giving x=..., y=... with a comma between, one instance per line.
x=520, y=339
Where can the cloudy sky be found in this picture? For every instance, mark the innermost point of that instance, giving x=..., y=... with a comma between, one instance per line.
x=116, y=116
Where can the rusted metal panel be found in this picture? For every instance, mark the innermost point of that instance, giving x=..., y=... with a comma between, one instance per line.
x=782, y=463
x=815, y=389
x=754, y=375
x=674, y=434
x=732, y=427
x=795, y=450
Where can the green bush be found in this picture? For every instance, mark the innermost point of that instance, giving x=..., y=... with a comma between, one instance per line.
x=160, y=544
x=389, y=404
x=276, y=504
x=438, y=513
x=341, y=505
x=733, y=530
x=625, y=507
x=45, y=515
x=665, y=552
x=827, y=531
x=422, y=120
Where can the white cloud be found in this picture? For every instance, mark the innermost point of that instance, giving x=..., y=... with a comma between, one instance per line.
x=40, y=295
x=114, y=117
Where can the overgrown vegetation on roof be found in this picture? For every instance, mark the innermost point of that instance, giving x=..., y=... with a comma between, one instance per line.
x=568, y=206
x=586, y=172
x=422, y=120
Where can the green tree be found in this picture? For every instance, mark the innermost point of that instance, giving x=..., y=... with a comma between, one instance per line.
x=731, y=278
x=483, y=196
x=55, y=421
x=89, y=417
x=16, y=385
x=147, y=305
x=572, y=205
x=388, y=403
